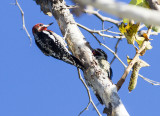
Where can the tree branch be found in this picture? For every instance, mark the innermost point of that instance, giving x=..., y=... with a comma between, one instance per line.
x=99, y=32
x=116, y=50
x=89, y=95
x=149, y=81
x=102, y=18
x=154, y=4
x=119, y=9
x=23, y=21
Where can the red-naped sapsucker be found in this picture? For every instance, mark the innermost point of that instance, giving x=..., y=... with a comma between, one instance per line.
x=53, y=45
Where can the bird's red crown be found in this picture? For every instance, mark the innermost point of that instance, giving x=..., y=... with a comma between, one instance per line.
x=40, y=27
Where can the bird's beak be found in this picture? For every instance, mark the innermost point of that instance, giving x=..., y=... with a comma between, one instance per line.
x=48, y=24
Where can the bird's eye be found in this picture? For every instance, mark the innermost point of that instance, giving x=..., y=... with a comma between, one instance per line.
x=40, y=24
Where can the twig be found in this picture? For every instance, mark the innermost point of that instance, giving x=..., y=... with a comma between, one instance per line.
x=149, y=31
x=113, y=53
x=150, y=81
x=89, y=95
x=114, y=32
x=108, y=30
x=116, y=49
x=102, y=18
x=154, y=33
x=103, y=31
x=141, y=26
x=24, y=27
x=99, y=32
x=122, y=79
x=145, y=31
x=109, y=50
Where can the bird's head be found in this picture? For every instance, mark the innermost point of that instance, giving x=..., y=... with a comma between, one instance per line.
x=40, y=27
x=99, y=53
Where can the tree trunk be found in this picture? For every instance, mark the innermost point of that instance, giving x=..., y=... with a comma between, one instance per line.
x=96, y=77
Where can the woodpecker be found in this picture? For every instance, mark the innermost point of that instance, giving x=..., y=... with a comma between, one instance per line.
x=53, y=45
x=102, y=58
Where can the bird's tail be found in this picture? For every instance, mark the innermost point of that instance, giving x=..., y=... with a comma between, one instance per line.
x=77, y=62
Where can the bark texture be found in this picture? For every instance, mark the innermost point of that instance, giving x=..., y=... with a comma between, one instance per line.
x=96, y=77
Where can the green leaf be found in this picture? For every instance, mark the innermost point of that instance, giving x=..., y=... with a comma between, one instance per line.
x=129, y=31
x=135, y=2
x=156, y=28
x=141, y=3
x=139, y=40
x=125, y=20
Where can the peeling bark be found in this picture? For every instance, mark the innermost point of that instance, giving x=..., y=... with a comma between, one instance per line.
x=96, y=77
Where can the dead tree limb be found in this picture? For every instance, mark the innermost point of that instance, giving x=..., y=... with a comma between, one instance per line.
x=23, y=21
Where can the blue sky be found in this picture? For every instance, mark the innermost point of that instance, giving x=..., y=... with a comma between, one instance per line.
x=32, y=84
